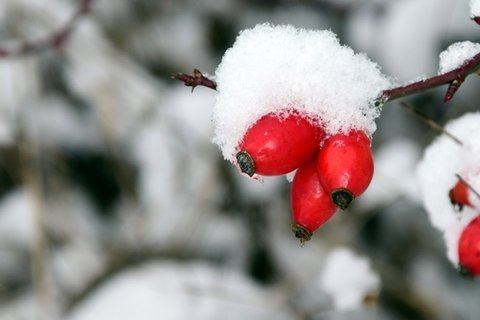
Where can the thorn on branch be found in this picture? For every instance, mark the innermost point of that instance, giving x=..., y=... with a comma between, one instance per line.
x=452, y=89
x=195, y=79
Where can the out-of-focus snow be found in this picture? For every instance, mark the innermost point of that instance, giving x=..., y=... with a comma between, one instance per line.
x=177, y=291
x=456, y=55
x=53, y=122
x=348, y=278
x=394, y=174
x=275, y=68
x=17, y=220
x=474, y=8
x=409, y=33
x=436, y=174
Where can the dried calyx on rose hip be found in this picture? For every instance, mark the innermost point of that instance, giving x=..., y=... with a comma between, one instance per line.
x=278, y=143
x=311, y=204
x=469, y=248
x=345, y=166
x=459, y=195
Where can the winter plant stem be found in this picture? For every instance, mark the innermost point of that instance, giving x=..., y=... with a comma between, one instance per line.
x=454, y=78
x=56, y=40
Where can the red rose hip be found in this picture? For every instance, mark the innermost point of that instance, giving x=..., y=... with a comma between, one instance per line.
x=278, y=144
x=459, y=195
x=345, y=166
x=469, y=248
x=311, y=205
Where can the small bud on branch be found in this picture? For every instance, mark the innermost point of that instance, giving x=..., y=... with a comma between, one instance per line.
x=195, y=79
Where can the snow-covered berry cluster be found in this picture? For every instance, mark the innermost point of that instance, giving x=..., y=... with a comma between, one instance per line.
x=449, y=176
x=296, y=99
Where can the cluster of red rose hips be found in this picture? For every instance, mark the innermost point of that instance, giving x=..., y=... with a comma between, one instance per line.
x=469, y=242
x=331, y=171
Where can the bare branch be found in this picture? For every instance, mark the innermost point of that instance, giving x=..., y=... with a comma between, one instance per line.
x=56, y=40
x=454, y=78
x=430, y=122
x=195, y=79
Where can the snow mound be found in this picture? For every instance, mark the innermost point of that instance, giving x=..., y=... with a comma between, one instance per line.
x=436, y=174
x=271, y=69
x=456, y=55
x=348, y=279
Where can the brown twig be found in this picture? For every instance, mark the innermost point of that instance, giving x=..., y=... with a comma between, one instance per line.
x=430, y=122
x=56, y=40
x=454, y=78
x=195, y=79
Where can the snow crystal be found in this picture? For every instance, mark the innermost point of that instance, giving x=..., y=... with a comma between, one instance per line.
x=275, y=68
x=436, y=174
x=474, y=8
x=348, y=279
x=456, y=55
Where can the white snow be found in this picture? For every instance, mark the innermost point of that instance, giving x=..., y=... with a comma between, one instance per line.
x=348, y=278
x=456, y=55
x=408, y=33
x=273, y=68
x=171, y=290
x=394, y=174
x=16, y=219
x=474, y=8
x=442, y=160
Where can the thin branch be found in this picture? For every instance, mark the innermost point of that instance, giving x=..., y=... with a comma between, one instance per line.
x=56, y=40
x=195, y=79
x=454, y=78
x=430, y=122
x=469, y=186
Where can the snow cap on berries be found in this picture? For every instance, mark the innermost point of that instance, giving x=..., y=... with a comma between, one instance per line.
x=348, y=278
x=456, y=55
x=436, y=174
x=275, y=68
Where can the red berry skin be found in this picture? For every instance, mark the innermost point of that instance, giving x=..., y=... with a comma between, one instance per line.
x=459, y=195
x=311, y=205
x=469, y=248
x=345, y=166
x=277, y=145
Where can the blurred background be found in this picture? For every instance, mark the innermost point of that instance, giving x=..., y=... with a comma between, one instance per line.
x=114, y=203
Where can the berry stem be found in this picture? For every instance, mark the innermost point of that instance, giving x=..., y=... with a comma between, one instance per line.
x=454, y=78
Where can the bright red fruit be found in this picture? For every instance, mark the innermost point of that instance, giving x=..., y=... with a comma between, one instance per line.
x=278, y=144
x=345, y=166
x=311, y=205
x=469, y=248
x=459, y=195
